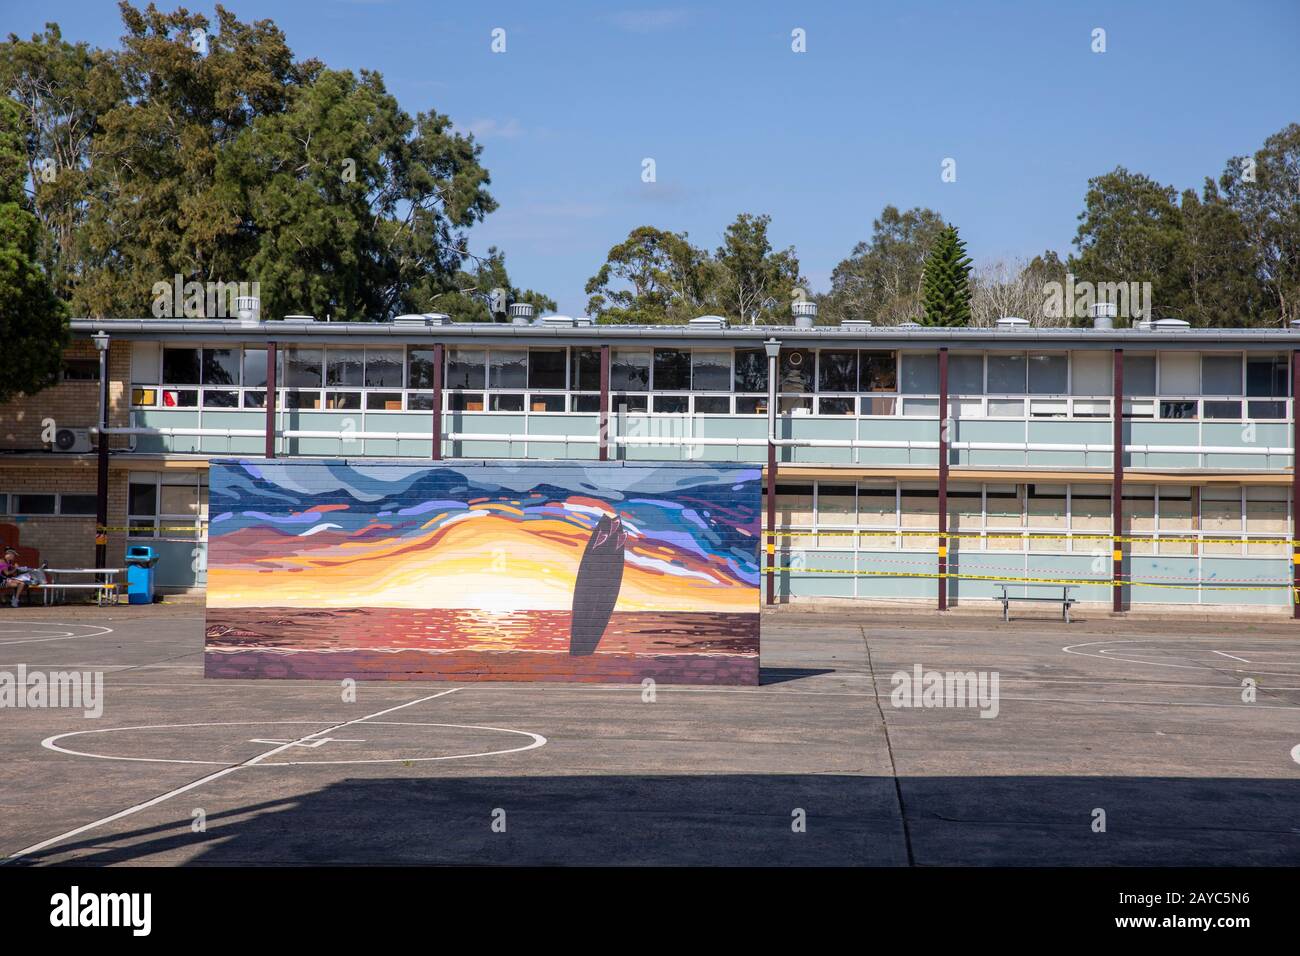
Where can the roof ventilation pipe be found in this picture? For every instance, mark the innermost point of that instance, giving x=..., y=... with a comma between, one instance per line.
x=1103, y=315
x=805, y=314
x=521, y=313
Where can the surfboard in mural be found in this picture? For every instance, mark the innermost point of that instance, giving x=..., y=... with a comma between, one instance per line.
x=483, y=571
x=595, y=592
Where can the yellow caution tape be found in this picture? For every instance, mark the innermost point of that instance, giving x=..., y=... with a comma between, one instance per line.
x=1104, y=582
x=1034, y=535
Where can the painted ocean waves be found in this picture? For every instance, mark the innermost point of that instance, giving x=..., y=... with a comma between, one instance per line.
x=483, y=570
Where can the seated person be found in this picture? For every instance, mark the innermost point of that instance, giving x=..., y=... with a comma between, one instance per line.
x=15, y=576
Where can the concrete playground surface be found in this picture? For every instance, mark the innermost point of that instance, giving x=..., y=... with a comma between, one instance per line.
x=1115, y=742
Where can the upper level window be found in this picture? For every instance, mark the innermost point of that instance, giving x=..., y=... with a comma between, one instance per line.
x=921, y=373
x=344, y=367
x=584, y=372
x=751, y=370
x=878, y=372
x=1139, y=375
x=546, y=368
x=302, y=368
x=710, y=371
x=221, y=366
x=630, y=371
x=180, y=366
x=419, y=368
x=796, y=370
x=1266, y=376
x=1221, y=374
x=1007, y=374
x=383, y=368
x=966, y=374
x=837, y=371
x=254, y=366
x=507, y=368
x=672, y=370
x=1049, y=373
x=466, y=368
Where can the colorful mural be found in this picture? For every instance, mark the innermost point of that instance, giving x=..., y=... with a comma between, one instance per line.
x=608, y=572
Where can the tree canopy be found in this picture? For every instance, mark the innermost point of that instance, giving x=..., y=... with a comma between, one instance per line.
x=207, y=150
x=32, y=325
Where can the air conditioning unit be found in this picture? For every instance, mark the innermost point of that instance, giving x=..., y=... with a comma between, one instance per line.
x=71, y=441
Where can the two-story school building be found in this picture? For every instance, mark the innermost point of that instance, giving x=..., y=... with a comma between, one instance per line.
x=872, y=492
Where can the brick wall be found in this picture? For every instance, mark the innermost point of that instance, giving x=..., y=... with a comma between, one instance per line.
x=69, y=404
x=65, y=541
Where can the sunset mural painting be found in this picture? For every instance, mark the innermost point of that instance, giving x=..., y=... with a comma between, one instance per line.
x=480, y=570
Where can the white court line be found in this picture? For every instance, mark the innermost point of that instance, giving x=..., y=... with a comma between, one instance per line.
x=36, y=847
x=1103, y=656
x=52, y=743
x=1221, y=654
x=59, y=636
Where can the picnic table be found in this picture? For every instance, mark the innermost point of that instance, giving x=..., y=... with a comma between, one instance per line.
x=104, y=583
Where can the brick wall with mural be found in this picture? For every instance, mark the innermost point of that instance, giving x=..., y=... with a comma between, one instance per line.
x=503, y=570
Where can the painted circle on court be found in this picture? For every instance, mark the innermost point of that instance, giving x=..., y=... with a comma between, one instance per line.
x=1252, y=658
x=282, y=743
x=40, y=632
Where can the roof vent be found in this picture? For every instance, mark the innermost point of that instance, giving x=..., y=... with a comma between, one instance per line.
x=1103, y=315
x=300, y=318
x=249, y=310
x=1012, y=322
x=855, y=323
x=1295, y=323
x=805, y=314
x=521, y=313
x=584, y=321
x=909, y=325
x=421, y=320
x=556, y=320
x=708, y=322
x=1170, y=325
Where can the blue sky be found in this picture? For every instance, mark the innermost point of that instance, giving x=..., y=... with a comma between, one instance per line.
x=821, y=140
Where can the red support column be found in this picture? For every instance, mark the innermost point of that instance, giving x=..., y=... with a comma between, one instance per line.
x=271, y=392
x=773, y=398
x=101, y=479
x=1295, y=485
x=770, y=537
x=944, y=419
x=1117, y=486
x=437, y=402
x=604, y=403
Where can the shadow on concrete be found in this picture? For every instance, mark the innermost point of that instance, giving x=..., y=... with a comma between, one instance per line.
x=732, y=820
x=781, y=675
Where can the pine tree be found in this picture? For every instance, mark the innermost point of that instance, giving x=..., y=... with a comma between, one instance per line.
x=945, y=283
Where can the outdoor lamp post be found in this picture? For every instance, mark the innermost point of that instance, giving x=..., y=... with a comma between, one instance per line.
x=773, y=349
x=101, y=341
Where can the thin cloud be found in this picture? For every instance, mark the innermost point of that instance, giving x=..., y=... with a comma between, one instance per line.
x=488, y=128
x=646, y=21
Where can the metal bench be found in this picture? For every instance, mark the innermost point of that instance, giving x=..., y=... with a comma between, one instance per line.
x=1064, y=600
x=105, y=584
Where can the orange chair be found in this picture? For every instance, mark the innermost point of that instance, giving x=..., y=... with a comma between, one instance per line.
x=8, y=535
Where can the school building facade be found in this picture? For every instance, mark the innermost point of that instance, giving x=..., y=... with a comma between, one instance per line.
x=872, y=493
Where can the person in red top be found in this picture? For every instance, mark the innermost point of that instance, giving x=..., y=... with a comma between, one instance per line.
x=13, y=575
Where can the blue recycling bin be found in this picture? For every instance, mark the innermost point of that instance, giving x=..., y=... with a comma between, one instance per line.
x=140, y=561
